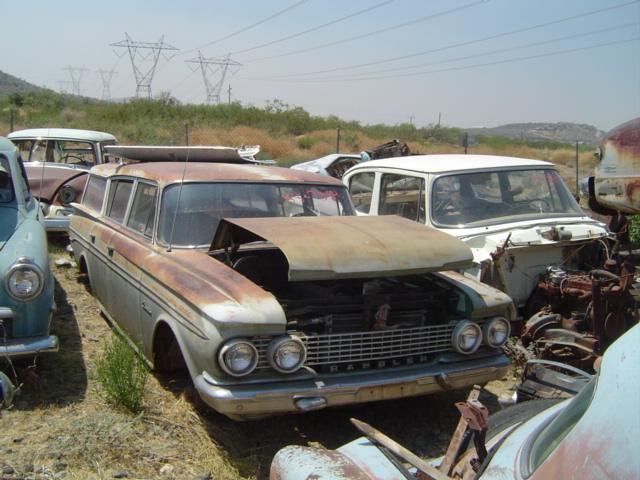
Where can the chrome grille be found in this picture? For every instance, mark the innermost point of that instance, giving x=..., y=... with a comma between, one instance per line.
x=367, y=346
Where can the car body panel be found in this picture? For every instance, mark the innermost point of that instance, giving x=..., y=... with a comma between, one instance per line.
x=203, y=299
x=600, y=443
x=348, y=246
x=518, y=251
x=47, y=178
x=25, y=323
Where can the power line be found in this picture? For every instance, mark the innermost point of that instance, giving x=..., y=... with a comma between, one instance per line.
x=317, y=27
x=467, y=67
x=485, y=54
x=147, y=54
x=456, y=45
x=249, y=27
x=210, y=68
x=375, y=32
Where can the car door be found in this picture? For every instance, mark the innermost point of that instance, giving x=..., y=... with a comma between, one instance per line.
x=362, y=188
x=404, y=195
x=123, y=254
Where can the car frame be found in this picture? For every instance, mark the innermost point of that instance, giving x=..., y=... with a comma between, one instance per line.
x=26, y=293
x=57, y=161
x=511, y=251
x=272, y=286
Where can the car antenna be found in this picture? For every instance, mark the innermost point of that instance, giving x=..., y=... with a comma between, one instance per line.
x=41, y=176
x=175, y=214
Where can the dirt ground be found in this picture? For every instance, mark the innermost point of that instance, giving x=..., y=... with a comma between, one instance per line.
x=61, y=427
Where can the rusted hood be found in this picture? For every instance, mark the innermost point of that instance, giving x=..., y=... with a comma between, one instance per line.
x=324, y=248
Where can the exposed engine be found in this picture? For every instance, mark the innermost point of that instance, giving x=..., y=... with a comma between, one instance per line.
x=584, y=313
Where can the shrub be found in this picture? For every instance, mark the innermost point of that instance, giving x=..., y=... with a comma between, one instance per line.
x=305, y=143
x=634, y=229
x=122, y=375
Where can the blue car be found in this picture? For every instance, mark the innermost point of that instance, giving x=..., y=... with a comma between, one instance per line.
x=26, y=294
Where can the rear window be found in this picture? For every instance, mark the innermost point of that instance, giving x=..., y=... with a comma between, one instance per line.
x=6, y=185
x=119, y=199
x=94, y=193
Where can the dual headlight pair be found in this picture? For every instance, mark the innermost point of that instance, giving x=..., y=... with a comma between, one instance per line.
x=24, y=280
x=239, y=357
x=467, y=336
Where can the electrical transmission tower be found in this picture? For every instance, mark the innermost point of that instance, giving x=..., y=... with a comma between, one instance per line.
x=106, y=76
x=76, y=75
x=211, y=68
x=144, y=58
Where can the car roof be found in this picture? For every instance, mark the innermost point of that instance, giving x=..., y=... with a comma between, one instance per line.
x=170, y=172
x=6, y=145
x=451, y=163
x=63, y=134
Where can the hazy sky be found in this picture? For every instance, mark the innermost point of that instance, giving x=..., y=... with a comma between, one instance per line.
x=478, y=62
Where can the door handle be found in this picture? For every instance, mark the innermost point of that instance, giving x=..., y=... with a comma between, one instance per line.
x=110, y=251
x=93, y=238
x=145, y=308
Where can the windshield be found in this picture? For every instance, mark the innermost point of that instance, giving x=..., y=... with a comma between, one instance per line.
x=68, y=152
x=474, y=199
x=203, y=205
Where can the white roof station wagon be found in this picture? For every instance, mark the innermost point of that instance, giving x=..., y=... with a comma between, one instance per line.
x=517, y=215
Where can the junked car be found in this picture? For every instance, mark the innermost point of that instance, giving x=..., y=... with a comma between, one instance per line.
x=517, y=215
x=26, y=294
x=590, y=436
x=57, y=161
x=276, y=297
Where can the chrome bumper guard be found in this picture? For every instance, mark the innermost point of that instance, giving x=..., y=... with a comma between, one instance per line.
x=26, y=347
x=263, y=399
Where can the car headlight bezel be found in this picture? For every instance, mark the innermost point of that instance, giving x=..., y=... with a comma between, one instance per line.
x=232, y=346
x=464, y=329
x=488, y=331
x=67, y=195
x=280, y=343
x=22, y=265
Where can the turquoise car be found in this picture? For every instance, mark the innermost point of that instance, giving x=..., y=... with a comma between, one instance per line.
x=26, y=294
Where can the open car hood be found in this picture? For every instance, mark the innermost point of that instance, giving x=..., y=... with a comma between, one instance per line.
x=326, y=248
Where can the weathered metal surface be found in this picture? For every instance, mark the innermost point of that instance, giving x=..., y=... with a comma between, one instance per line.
x=163, y=153
x=46, y=179
x=171, y=172
x=617, y=173
x=349, y=247
x=584, y=313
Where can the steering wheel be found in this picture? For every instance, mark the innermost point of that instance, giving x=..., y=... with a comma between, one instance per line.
x=539, y=204
x=81, y=161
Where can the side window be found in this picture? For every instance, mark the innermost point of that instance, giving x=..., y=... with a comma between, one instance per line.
x=24, y=147
x=6, y=185
x=118, y=199
x=403, y=195
x=25, y=183
x=94, y=193
x=361, y=190
x=143, y=209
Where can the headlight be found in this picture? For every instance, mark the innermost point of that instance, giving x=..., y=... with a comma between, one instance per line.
x=238, y=357
x=286, y=354
x=466, y=337
x=496, y=331
x=24, y=280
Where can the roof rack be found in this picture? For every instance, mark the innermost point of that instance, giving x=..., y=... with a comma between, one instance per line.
x=199, y=153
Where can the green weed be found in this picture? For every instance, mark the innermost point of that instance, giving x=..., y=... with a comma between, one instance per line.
x=122, y=375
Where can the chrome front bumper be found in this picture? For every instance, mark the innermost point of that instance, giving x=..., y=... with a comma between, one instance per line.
x=263, y=399
x=26, y=347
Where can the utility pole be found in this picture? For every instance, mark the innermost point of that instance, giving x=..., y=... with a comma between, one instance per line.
x=439, y=118
x=338, y=140
x=144, y=58
x=106, y=76
x=211, y=68
x=229, y=102
x=577, y=181
x=76, y=76
x=411, y=117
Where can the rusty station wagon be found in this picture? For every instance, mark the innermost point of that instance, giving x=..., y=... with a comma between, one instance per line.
x=275, y=296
